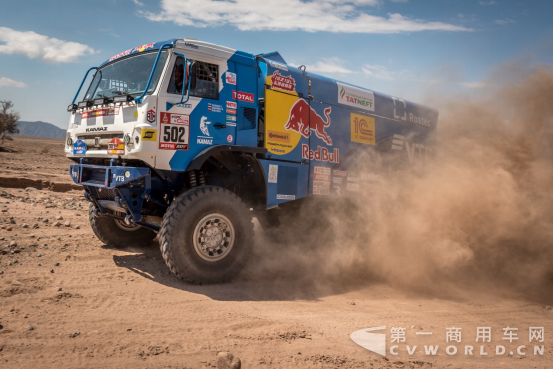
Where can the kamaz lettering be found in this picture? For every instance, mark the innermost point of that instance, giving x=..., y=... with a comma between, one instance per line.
x=192, y=146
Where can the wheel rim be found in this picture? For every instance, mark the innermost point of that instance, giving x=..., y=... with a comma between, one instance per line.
x=214, y=237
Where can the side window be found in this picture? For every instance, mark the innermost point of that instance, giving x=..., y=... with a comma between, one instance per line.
x=207, y=77
x=176, y=82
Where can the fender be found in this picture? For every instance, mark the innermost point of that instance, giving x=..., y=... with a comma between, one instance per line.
x=203, y=155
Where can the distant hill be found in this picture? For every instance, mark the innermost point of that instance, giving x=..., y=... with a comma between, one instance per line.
x=40, y=129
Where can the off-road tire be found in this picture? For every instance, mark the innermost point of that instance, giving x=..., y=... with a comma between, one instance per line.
x=111, y=234
x=178, y=227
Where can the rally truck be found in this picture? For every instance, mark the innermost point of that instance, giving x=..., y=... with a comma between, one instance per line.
x=189, y=141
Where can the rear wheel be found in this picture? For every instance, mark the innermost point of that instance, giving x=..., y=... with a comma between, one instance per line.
x=206, y=235
x=117, y=233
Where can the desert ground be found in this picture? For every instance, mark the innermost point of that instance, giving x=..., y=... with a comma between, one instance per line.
x=68, y=301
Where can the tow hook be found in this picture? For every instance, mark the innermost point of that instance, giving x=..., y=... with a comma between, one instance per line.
x=129, y=219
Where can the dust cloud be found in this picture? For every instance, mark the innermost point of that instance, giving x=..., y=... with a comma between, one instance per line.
x=476, y=218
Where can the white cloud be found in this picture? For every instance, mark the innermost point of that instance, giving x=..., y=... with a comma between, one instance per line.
x=290, y=15
x=137, y=2
x=6, y=82
x=503, y=22
x=380, y=72
x=33, y=45
x=487, y=2
x=332, y=65
x=400, y=1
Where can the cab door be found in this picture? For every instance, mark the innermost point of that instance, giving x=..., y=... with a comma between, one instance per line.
x=202, y=117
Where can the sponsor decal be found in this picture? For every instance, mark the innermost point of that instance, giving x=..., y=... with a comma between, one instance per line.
x=231, y=124
x=100, y=113
x=321, y=184
x=416, y=152
x=215, y=108
x=191, y=45
x=204, y=126
x=151, y=116
x=143, y=47
x=279, y=136
x=173, y=118
x=168, y=106
x=341, y=173
x=174, y=136
x=278, y=65
x=79, y=147
x=231, y=111
x=303, y=119
x=273, y=172
x=353, y=177
x=286, y=197
x=116, y=147
x=206, y=139
x=148, y=134
x=422, y=121
x=322, y=177
x=362, y=129
x=283, y=83
x=321, y=154
x=243, y=96
x=356, y=97
x=231, y=78
x=229, y=138
x=231, y=105
x=96, y=129
x=337, y=180
x=127, y=52
x=400, y=114
x=399, y=108
x=232, y=118
x=120, y=55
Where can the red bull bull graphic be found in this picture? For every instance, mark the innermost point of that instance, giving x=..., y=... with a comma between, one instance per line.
x=302, y=119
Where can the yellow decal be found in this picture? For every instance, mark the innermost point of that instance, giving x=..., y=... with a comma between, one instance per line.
x=362, y=129
x=278, y=140
x=148, y=134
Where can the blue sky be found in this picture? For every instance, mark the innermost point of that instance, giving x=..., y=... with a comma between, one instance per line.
x=399, y=47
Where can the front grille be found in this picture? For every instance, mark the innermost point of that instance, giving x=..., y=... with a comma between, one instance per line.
x=103, y=140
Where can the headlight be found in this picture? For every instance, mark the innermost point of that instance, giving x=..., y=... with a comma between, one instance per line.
x=127, y=139
x=69, y=142
x=127, y=174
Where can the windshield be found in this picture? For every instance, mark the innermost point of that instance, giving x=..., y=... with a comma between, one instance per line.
x=127, y=76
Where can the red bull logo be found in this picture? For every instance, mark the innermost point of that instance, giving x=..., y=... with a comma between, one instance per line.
x=302, y=119
x=321, y=154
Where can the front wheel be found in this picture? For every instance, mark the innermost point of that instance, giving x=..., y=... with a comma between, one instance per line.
x=206, y=235
x=117, y=233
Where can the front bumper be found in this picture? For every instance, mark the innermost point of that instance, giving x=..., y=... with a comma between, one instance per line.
x=117, y=188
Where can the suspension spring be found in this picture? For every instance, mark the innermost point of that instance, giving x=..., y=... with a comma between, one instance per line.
x=201, y=179
x=192, y=179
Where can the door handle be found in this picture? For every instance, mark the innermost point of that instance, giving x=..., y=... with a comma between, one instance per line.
x=220, y=125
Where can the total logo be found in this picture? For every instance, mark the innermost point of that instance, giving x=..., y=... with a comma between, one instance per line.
x=302, y=119
x=207, y=139
x=243, y=96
